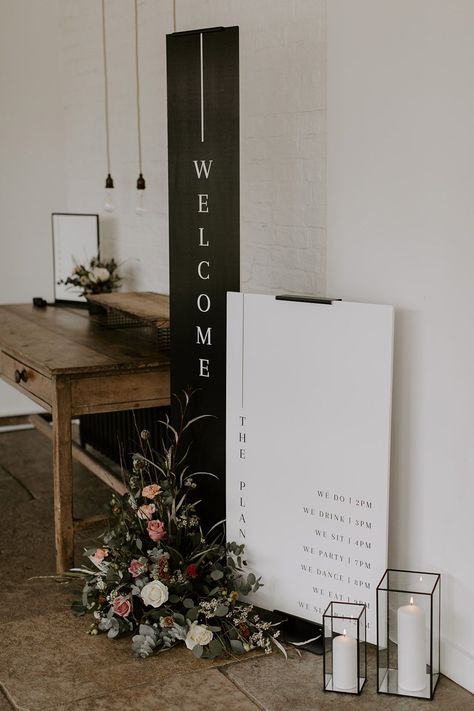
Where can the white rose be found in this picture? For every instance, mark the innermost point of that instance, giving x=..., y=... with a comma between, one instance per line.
x=154, y=593
x=198, y=634
x=99, y=274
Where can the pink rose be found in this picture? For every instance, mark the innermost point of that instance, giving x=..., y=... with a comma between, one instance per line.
x=156, y=530
x=150, y=491
x=122, y=606
x=146, y=511
x=137, y=567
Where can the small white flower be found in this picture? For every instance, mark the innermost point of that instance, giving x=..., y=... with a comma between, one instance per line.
x=154, y=593
x=198, y=634
x=98, y=274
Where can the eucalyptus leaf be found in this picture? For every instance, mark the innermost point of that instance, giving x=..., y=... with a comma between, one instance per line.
x=188, y=602
x=251, y=579
x=237, y=646
x=174, y=599
x=215, y=648
x=217, y=574
x=221, y=610
x=198, y=650
x=192, y=614
x=85, y=595
x=146, y=630
x=78, y=608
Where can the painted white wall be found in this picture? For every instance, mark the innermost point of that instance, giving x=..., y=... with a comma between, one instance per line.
x=32, y=162
x=400, y=231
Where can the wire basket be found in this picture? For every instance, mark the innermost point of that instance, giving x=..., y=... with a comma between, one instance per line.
x=115, y=319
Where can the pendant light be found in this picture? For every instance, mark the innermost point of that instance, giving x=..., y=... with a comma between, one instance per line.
x=140, y=205
x=109, y=203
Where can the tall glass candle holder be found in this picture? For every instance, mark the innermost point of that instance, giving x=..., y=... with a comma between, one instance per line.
x=408, y=633
x=345, y=647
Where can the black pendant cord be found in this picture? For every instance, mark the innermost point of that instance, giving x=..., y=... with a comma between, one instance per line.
x=109, y=183
x=141, y=179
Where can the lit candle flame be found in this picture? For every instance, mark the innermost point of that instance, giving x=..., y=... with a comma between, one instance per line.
x=344, y=633
x=411, y=600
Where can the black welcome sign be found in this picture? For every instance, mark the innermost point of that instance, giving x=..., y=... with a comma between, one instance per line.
x=203, y=160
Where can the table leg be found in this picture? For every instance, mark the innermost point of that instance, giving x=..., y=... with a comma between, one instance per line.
x=62, y=474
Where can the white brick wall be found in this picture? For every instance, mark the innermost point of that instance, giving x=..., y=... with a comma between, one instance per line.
x=283, y=127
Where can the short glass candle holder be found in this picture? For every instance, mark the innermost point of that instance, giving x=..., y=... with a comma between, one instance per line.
x=408, y=633
x=345, y=647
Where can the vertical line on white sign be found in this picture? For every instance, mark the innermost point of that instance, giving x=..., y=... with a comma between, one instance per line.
x=202, y=90
x=243, y=348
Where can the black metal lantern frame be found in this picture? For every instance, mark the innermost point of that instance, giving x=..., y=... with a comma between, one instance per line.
x=408, y=633
x=345, y=647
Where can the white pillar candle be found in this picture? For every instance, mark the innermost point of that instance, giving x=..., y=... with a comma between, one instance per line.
x=344, y=663
x=411, y=647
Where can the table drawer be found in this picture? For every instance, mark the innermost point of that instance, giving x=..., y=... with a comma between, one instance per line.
x=25, y=378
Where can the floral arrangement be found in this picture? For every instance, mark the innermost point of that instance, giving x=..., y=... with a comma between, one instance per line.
x=157, y=577
x=99, y=277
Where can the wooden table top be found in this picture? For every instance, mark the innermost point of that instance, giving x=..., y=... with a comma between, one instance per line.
x=65, y=340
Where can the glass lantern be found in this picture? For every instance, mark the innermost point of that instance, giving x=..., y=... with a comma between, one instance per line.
x=408, y=633
x=345, y=647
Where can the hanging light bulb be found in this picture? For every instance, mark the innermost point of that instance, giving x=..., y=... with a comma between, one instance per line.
x=140, y=204
x=109, y=202
x=140, y=207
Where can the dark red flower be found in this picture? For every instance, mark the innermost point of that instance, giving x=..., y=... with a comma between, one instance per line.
x=192, y=571
x=244, y=630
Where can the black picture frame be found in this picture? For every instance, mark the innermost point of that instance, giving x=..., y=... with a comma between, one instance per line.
x=76, y=240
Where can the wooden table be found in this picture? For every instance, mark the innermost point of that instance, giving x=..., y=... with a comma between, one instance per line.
x=67, y=362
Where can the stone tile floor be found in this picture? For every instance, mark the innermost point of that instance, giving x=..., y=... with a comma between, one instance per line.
x=48, y=663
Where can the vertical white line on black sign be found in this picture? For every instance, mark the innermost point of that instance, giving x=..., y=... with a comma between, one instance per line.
x=202, y=90
x=243, y=346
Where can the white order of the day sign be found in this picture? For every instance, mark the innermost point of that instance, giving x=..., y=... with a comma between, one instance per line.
x=308, y=446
